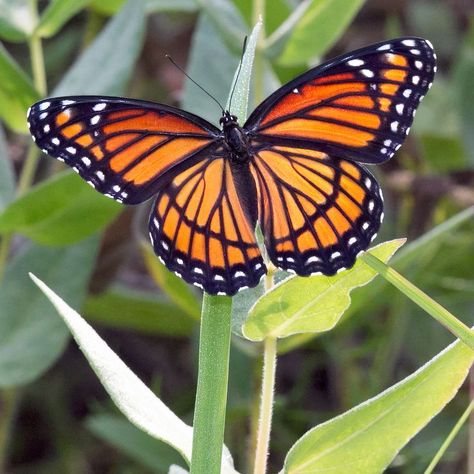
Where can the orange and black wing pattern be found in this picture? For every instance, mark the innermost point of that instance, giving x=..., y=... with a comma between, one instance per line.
x=124, y=148
x=359, y=106
x=317, y=212
x=202, y=230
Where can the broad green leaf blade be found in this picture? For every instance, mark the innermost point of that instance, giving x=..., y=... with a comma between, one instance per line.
x=16, y=93
x=211, y=64
x=56, y=14
x=138, y=311
x=31, y=336
x=136, y=401
x=59, y=211
x=242, y=78
x=7, y=177
x=126, y=438
x=310, y=304
x=106, y=66
x=178, y=290
x=17, y=21
x=365, y=439
x=318, y=29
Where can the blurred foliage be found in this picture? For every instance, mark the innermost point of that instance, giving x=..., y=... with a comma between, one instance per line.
x=64, y=422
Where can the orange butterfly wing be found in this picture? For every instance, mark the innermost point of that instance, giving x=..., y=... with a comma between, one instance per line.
x=359, y=106
x=317, y=212
x=202, y=230
x=124, y=148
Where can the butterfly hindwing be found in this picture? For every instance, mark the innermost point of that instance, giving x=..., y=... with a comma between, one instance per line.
x=124, y=148
x=201, y=231
x=359, y=106
x=317, y=212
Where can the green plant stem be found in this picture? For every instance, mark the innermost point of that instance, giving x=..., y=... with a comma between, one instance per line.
x=266, y=405
x=211, y=395
x=433, y=308
x=450, y=438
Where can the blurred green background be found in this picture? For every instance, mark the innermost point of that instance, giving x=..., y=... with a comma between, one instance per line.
x=54, y=414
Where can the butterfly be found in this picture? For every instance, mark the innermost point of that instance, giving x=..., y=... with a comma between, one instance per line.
x=295, y=166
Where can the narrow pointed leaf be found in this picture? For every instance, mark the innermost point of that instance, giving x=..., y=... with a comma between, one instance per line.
x=319, y=28
x=59, y=211
x=310, y=304
x=134, y=399
x=106, y=66
x=16, y=93
x=56, y=14
x=366, y=439
x=242, y=78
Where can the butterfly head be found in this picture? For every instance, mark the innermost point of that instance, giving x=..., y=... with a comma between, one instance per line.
x=227, y=119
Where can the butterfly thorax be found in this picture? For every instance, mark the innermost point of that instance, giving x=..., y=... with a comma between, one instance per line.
x=235, y=138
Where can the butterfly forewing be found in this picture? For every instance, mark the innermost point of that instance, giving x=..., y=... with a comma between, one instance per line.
x=201, y=231
x=124, y=148
x=359, y=106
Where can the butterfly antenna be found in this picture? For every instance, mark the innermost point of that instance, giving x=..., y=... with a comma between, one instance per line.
x=238, y=71
x=194, y=82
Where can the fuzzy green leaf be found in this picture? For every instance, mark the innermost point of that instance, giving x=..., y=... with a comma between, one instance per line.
x=365, y=439
x=319, y=28
x=133, y=398
x=310, y=304
x=16, y=93
x=31, y=336
x=59, y=211
x=106, y=66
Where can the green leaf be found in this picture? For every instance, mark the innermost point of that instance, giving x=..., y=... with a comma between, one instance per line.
x=136, y=401
x=138, y=311
x=17, y=21
x=318, y=29
x=59, y=211
x=110, y=7
x=444, y=154
x=7, y=177
x=242, y=78
x=136, y=444
x=16, y=93
x=31, y=336
x=310, y=304
x=178, y=290
x=107, y=64
x=212, y=64
x=366, y=439
x=227, y=20
x=56, y=14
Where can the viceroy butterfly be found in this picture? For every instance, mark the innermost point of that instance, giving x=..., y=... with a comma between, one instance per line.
x=293, y=167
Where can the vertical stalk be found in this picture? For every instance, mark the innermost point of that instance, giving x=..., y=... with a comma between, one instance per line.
x=211, y=395
x=8, y=403
x=266, y=405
